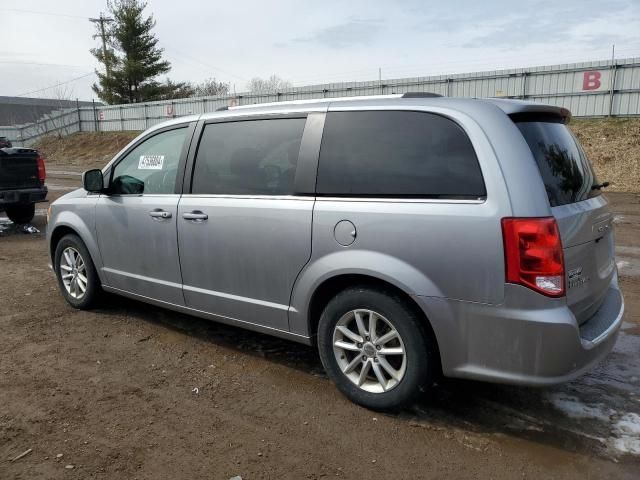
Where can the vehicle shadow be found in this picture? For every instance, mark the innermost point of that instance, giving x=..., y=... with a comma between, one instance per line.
x=461, y=406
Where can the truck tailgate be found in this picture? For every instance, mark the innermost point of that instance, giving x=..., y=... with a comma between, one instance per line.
x=18, y=168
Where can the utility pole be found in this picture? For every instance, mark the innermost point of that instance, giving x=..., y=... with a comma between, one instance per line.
x=102, y=20
x=612, y=78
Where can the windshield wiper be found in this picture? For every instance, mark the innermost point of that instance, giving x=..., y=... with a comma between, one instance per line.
x=599, y=186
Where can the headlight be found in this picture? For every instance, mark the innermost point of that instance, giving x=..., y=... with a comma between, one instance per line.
x=48, y=213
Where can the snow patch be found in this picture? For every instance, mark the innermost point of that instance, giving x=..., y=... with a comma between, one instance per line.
x=626, y=434
x=575, y=408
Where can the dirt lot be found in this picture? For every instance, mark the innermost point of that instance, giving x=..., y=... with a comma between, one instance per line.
x=113, y=393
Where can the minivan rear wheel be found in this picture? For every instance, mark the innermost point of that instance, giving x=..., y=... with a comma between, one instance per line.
x=374, y=348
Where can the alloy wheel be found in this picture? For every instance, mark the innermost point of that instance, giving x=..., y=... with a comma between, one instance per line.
x=369, y=350
x=73, y=272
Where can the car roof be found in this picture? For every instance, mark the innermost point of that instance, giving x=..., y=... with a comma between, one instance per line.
x=468, y=105
x=508, y=106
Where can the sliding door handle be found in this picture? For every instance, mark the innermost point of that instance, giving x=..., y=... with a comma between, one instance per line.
x=195, y=216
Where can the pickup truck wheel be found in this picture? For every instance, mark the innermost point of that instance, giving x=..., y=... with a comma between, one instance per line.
x=21, y=213
x=77, y=277
x=375, y=349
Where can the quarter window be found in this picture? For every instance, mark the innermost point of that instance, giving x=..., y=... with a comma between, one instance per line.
x=152, y=166
x=253, y=157
x=400, y=154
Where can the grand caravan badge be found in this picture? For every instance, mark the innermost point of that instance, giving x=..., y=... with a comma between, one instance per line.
x=575, y=278
x=151, y=162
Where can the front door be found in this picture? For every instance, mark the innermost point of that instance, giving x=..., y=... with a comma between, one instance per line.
x=243, y=234
x=136, y=221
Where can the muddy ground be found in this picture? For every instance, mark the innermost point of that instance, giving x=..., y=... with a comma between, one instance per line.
x=134, y=391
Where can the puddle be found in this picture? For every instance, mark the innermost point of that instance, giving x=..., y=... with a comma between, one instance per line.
x=628, y=261
x=64, y=173
x=60, y=188
x=629, y=219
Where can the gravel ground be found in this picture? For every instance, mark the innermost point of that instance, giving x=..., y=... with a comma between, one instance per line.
x=133, y=391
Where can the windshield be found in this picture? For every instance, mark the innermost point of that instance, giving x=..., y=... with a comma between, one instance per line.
x=565, y=169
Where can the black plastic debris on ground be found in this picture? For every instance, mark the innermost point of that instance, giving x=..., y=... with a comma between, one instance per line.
x=7, y=227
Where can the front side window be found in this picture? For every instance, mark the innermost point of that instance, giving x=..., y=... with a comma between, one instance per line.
x=395, y=153
x=252, y=157
x=152, y=166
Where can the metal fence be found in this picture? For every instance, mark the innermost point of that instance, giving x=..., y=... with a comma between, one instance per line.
x=588, y=89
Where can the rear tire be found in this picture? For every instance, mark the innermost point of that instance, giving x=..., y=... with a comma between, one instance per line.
x=76, y=274
x=395, y=352
x=21, y=213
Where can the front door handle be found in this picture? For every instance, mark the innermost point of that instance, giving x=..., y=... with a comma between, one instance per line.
x=196, y=216
x=159, y=214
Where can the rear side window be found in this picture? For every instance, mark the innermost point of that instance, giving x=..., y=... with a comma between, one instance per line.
x=254, y=157
x=565, y=169
x=399, y=154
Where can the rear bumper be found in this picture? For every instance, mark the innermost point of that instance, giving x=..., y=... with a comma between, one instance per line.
x=22, y=196
x=524, y=346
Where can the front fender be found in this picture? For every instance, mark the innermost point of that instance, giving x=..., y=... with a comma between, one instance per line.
x=82, y=222
x=353, y=262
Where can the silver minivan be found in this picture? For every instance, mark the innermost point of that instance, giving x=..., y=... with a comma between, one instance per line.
x=407, y=236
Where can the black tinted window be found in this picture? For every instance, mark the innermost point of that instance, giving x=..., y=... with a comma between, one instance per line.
x=565, y=170
x=256, y=157
x=397, y=153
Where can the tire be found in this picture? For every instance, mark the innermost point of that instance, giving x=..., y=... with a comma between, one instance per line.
x=21, y=213
x=71, y=247
x=415, y=369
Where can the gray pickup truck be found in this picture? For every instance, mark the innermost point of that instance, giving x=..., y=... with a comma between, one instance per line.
x=22, y=177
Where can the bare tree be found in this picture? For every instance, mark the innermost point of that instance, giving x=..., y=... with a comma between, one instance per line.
x=269, y=85
x=58, y=122
x=211, y=88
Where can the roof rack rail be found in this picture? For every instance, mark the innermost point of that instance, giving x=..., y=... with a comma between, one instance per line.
x=420, y=95
x=222, y=109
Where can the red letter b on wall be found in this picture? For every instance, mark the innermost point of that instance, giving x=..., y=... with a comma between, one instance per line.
x=591, y=80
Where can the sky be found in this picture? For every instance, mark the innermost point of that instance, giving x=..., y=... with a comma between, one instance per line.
x=44, y=45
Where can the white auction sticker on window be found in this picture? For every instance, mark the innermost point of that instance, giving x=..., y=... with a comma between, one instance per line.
x=151, y=162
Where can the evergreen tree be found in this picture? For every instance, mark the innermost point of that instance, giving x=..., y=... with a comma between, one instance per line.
x=134, y=57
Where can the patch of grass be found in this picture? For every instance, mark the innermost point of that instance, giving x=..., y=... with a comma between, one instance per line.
x=613, y=146
x=88, y=150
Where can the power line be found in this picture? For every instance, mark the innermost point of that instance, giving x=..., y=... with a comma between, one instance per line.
x=193, y=59
x=41, y=63
x=34, y=12
x=56, y=85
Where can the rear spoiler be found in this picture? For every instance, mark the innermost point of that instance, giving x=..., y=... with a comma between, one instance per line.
x=520, y=111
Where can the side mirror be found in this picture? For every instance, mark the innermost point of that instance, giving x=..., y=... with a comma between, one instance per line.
x=93, y=181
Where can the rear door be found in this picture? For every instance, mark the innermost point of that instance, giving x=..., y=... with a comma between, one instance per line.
x=584, y=220
x=244, y=230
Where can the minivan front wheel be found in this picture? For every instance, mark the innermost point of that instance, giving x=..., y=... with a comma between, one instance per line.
x=75, y=271
x=373, y=348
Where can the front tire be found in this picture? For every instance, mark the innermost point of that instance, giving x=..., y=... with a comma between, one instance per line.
x=77, y=277
x=376, y=348
x=21, y=214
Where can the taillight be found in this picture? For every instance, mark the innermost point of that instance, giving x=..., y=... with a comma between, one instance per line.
x=533, y=254
x=42, y=171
